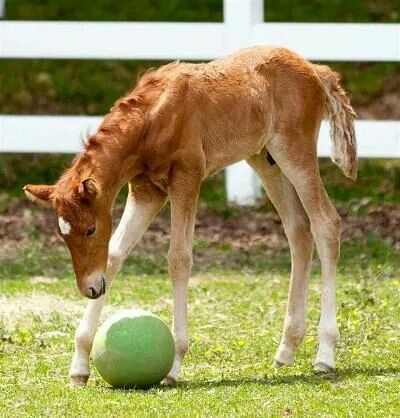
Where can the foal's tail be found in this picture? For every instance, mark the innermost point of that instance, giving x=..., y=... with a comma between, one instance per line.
x=341, y=120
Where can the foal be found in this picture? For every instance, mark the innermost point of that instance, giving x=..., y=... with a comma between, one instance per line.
x=181, y=124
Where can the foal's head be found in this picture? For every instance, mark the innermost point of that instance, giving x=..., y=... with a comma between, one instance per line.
x=82, y=201
x=84, y=222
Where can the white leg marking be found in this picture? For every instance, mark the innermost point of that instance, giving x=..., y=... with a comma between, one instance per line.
x=183, y=195
x=327, y=238
x=180, y=326
x=328, y=332
x=133, y=224
x=295, y=328
x=325, y=228
x=79, y=371
x=297, y=229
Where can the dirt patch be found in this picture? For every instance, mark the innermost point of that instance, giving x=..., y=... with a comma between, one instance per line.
x=24, y=222
x=23, y=311
x=15, y=310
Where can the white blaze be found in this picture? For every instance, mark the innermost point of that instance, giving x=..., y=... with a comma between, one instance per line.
x=65, y=226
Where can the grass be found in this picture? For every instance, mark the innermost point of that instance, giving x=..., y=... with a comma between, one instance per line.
x=228, y=370
x=332, y=11
x=203, y=10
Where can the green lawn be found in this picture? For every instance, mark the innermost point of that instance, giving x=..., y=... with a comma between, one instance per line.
x=236, y=318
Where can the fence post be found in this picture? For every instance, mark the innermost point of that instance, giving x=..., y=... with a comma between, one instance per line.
x=2, y=8
x=239, y=18
x=242, y=184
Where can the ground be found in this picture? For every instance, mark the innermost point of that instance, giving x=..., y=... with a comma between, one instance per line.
x=237, y=303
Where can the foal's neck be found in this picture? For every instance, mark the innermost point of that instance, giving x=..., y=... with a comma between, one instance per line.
x=111, y=161
x=112, y=156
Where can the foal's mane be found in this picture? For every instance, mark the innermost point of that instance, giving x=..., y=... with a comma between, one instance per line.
x=150, y=85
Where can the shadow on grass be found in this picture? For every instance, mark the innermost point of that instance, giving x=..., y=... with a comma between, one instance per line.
x=312, y=378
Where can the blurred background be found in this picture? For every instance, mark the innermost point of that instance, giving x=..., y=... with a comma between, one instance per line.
x=370, y=207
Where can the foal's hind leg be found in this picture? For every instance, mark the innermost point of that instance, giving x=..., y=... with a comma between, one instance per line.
x=296, y=156
x=297, y=228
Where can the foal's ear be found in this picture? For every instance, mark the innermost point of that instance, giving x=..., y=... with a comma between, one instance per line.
x=40, y=194
x=88, y=189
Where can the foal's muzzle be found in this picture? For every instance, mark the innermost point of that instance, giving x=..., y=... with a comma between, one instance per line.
x=95, y=291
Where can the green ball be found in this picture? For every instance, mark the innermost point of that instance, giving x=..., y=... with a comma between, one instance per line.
x=133, y=348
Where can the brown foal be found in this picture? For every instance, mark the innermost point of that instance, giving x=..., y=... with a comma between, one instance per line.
x=181, y=124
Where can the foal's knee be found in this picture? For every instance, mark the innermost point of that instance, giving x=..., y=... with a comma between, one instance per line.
x=83, y=339
x=179, y=263
x=114, y=262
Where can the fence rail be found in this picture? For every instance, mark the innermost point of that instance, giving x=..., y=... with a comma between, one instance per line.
x=196, y=41
x=64, y=134
x=243, y=25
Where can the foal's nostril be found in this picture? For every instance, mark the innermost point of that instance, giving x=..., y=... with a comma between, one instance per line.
x=97, y=289
x=91, y=293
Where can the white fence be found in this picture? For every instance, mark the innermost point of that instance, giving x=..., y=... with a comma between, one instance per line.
x=243, y=25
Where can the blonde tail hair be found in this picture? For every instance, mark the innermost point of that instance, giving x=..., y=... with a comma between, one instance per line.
x=340, y=115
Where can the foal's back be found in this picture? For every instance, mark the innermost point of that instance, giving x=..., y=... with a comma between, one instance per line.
x=228, y=109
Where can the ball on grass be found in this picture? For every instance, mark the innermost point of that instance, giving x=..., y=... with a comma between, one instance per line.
x=133, y=348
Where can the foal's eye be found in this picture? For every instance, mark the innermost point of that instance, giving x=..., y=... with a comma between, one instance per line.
x=91, y=231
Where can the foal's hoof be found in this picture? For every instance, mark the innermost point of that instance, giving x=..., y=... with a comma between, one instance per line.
x=277, y=364
x=78, y=381
x=323, y=367
x=169, y=381
x=283, y=359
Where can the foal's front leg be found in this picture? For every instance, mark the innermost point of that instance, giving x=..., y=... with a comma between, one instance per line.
x=79, y=371
x=137, y=216
x=183, y=196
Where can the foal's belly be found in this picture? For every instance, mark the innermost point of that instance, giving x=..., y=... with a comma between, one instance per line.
x=227, y=152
